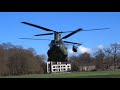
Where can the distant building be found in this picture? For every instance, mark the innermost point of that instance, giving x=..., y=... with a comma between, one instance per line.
x=112, y=67
x=58, y=67
x=87, y=68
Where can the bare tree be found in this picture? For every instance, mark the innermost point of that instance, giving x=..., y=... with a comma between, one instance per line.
x=99, y=57
x=108, y=58
x=85, y=59
x=3, y=61
x=115, y=52
x=14, y=59
x=74, y=60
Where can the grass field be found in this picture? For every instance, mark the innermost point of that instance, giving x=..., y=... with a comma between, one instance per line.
x=94, y=74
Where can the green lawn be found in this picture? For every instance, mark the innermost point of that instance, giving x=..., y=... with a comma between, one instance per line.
x=94, y=74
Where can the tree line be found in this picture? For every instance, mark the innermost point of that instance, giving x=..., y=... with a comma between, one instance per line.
x=15, y=60
x=104, y=59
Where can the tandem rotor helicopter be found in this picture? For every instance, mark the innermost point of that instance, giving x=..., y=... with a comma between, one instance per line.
x=58, y=50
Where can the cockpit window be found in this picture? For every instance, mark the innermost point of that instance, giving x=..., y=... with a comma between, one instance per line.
x=57, y=42
x=52, y=43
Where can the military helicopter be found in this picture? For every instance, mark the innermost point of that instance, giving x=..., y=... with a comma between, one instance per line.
x=58, y=50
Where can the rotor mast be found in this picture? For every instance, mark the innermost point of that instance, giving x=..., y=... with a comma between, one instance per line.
x=57, y=36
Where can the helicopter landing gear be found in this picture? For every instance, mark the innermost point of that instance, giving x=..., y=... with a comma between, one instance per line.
x=66, y=61
x=50, y=67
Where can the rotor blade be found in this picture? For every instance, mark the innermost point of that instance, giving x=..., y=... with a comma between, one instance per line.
x=34, y=39
x=72, y=33
x=46, y=29
x=96, y=29
x=65, y=32
x=85, y=30
x=43, y=34
x=72, y=43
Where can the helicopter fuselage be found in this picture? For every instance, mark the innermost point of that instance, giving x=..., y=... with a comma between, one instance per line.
x=57, y=51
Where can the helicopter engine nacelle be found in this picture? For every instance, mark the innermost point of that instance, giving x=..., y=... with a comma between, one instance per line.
x=74, y=48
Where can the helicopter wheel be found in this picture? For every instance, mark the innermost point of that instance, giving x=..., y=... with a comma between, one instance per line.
x=49, y=59
x=66, y=61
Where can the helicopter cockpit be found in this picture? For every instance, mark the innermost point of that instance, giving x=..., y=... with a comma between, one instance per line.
x=54, y=43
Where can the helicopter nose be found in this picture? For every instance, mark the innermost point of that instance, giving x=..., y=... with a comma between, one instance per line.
x=58, y=45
